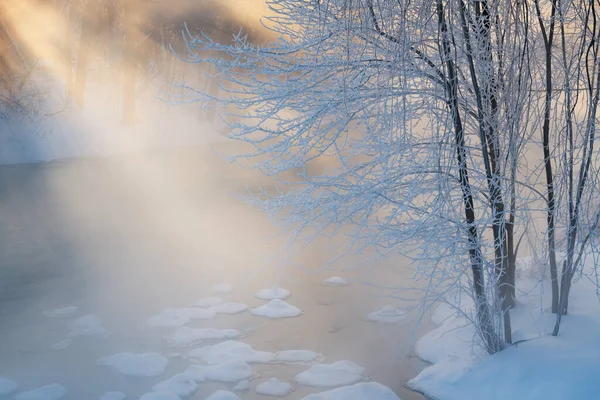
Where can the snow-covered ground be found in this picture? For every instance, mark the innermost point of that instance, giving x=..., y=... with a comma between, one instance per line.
x=94, y=249
x=537, y=367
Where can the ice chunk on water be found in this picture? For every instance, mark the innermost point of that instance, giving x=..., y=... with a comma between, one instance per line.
x=53, y=391
x=230, y=308
x=272, y=293
x=87, y=325
x=7, y=386
x=145, y=364
x=277, y=309
x=180, y=384
x=188, y=336
x=387, y=315
x=274, y=387
x=241, y=386
x=176, y=317
x=207, y=302
x=223, y=288
x=162, y=395
x=223, y=395
x=233, y=371
x=229, y=350
x=330, y=375
x=335, y=281
x=360, y=391
x=296, y=356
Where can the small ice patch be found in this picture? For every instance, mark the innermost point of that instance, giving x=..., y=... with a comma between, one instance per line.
x=188, y=336
x=223, y=395
x=162, y=395
x=223, y=288
x=272, y=293
x=87, y=325
x=230, y=308
x=63, y=312
x=53, y=391
x=229, y=350
x=360, y=391
x=277, y=309
x=207, y=302
x=145, y=364
x=233, y=371
x=180, y=384
x=176, y=317
x=274, y=387
x=113, y=396
x=63, y=344
x=335, y=281
x=7, y=386
x=241, y=386
x=339, y=373
x=387, y=315
x=296, y=356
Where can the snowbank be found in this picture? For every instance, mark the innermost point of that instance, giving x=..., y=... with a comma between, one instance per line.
x=277, y=309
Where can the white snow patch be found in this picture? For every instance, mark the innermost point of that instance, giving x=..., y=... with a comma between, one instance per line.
x=186, y=336
x=241, y=386
x=339, y=373
x=360, y=391
x=176, y=317
x=274, y=387
x=63, y=312
x=277, y=309
x=113, y=396
x=223, y=395
x=162, y=395
x=87, y=325
x=229, y=350
x=233, y=371
x=53, y=391
x=7, y=386
x=296, y=356
x=180, y=384
x=230, y=308
x=272, y=293
x=335, y=281
x=387, y=315
x=223, y=288
x=207, y=302
x=145, y=364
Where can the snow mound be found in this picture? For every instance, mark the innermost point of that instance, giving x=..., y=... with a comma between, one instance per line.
x=7, y=386
x=335, y=281
x=207, y=302
x=296, y=356
x=360, y=391
x=241, y=386
x=230, y=308
x=277, y=309
x=53, y=391
x=113, y=396
x=176, y=317
x=223, y=288
x=387, y=315
x=233, y=371
x=339, y=373
x=87, y=325
x=272, y=293
x=163, y=395
x=180, y=384
x=274, y=387
x=227, y=351
x=188, y=336
x=63, y=312
x=145, y=364
x=223, y=395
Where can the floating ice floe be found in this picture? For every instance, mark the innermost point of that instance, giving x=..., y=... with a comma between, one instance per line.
x=162, y=395
x=186, y=336
x=53, y=391
x=207, y=302
x=339, y=373
x=274, y=387
x=180, y=384
x=387, y=315
x=63, y=312
x=229, y=350
x=144, y=364
x=113, y=396
x=233, y=371
x=230, y=308
x=241, y=386
x=272, y=293
x=63, y=344
x=223, y=395
x=296, y=356
x=175, y=317
x=7, y=386
x=335, y=281
x=360, y=391
x=87, y=325
x=277, y=309
x=222, y=288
